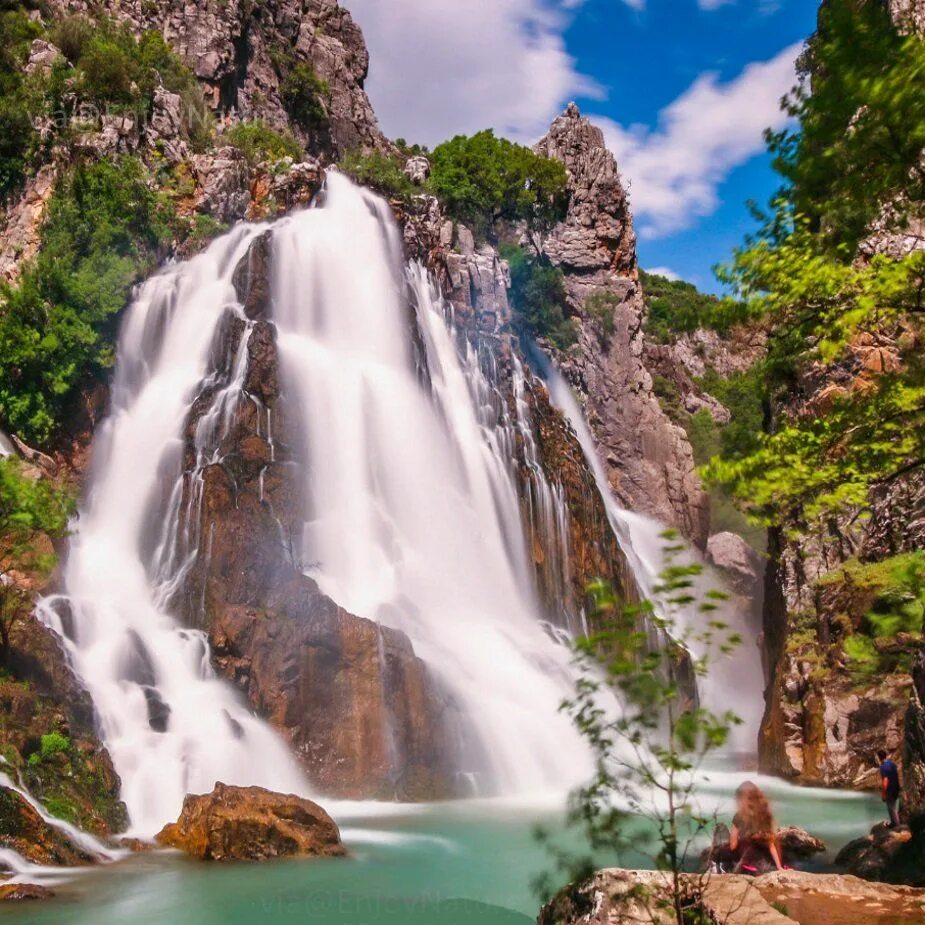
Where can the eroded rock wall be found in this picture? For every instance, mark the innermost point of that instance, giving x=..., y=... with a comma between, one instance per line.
x=647, y=458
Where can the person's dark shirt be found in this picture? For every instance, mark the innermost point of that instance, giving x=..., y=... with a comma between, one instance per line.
x=890, y=773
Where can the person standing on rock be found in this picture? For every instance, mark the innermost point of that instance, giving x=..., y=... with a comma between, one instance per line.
x=889, y=786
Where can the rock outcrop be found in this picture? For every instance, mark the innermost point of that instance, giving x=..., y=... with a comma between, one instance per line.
x=252, y=824
x=622, y=897
x=648, y=459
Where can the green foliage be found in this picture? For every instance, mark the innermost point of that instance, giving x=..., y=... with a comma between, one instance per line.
x=649, y=740
x=106, y=65
x=53, y=743
x=857, y=148
x=18, y=95
x=483, y=180
x=409, y=150
x=600, y=307
x=261, y=143
x=379, y=172
x=538, y=297
x=896, y=589
x=28, y=507
x=62, y=808
x=105, y=228
x=676, y=307
x=303, y=94
x=860, y=127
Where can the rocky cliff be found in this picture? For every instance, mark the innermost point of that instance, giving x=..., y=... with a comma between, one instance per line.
x=648, y=458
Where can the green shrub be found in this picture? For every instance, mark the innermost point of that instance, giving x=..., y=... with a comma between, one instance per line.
x=743, y=395
x=54, y=743
x=18, y=99
x=600, y=307
x=303, y=93
x=105, y=228
x=676, y=307
x=261, y=143
x=538, y=298
x=110, y=67
x=483, y=180
x=379, y=172
x=897, y=586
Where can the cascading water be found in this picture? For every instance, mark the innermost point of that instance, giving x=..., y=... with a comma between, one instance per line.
x=734, y=682
x=171, y=727
x=413, y=518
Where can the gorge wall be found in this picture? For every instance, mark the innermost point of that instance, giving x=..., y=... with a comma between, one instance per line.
x=824, y=723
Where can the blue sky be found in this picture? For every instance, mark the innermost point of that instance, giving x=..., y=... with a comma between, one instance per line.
x=681, y=88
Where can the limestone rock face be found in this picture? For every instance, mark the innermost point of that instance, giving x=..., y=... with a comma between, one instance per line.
x=648, y=459
x=252, y=824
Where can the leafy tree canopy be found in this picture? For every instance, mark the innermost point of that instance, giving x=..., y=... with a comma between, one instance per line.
x=484, y=180
x=844, y=328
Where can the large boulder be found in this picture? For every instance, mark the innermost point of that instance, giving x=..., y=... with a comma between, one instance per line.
x=252, y=824
x=886, y=854
x=737, y=560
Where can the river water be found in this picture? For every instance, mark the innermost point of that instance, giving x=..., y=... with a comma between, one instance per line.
x=464, y=863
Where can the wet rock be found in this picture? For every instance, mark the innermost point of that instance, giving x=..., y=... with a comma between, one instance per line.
x=24, y=830
x=250, y=823
x=737, y=560
x=296, y=186
x=14, y=892
x=870, y=857
x=251, y=278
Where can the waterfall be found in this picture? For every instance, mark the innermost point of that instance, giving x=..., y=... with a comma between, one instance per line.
x=412, y=515
x=171, y=727
x=734, y=682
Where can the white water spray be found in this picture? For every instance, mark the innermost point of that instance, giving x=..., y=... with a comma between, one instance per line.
x=413, y=517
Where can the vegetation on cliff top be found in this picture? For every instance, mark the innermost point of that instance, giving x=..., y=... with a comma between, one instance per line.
x=855, y=155
x=484, y=180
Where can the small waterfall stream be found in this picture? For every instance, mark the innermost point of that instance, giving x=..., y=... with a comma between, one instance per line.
x=734, y=682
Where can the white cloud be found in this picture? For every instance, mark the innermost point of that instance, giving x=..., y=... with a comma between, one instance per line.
x=675, y=170
x=667, y=272
x=439, y=67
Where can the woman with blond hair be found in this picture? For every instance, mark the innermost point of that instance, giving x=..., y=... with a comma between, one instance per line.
x=754, y=834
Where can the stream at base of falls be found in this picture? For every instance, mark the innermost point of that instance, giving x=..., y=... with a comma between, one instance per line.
x=463, y=863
